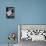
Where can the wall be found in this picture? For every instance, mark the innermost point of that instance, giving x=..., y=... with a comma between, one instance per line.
x=27, y=12
x=6, y=25
x=31, y=11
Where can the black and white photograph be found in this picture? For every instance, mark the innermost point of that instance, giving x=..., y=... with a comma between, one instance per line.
x=10, y=12
x=31, y=34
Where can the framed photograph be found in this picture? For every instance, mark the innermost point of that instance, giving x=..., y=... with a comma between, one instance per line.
x=32, y=32
x=10, y=12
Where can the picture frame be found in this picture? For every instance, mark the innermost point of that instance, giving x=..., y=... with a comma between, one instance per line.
x=10, y=12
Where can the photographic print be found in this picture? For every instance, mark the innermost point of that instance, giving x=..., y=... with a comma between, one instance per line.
x=28, y=34
x=10, y=12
